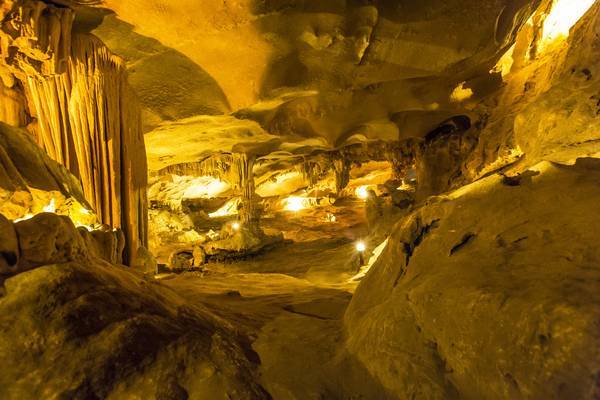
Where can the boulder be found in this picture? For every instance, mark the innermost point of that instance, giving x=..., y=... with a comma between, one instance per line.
x=49, y=238
x=199, y=256
x=489, y=292
x=110, y=244
x=181, y=260
x=144, y=261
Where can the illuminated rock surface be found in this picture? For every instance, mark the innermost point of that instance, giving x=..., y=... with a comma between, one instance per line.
x=296, y=199
x=508, y=308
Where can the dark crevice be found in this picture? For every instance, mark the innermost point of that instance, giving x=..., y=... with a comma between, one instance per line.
x=10, y=257
x=291, y=310
x=466, y=239
x=409, y=248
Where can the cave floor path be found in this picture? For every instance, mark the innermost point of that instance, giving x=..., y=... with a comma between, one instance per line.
x=290, y=302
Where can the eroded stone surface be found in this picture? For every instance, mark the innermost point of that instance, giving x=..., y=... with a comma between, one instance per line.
x=140, y=340
x=49, y=238
x=489, y=292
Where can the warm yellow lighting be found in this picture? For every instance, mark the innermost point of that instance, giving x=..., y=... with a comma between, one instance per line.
x=88, y=227
x=405, y=187
x=204, y=187
x=362, y=192
x=230, y=208
x=51, y=207
x=365, y=268
x=23, y=218
x=360, y=247
x=330, y=217
x=563, y=15
x=294, y=203
x=505, y=63
x=235, y=226
x=461, y=93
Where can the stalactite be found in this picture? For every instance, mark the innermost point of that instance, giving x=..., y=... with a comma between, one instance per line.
x=315, y=168
x=244, y=166
x=87, y=116
x=217, y=166
x=341, y=166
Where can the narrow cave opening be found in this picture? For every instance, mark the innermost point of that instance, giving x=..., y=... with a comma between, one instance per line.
x=351, y=200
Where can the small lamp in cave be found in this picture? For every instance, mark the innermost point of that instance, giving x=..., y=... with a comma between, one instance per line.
x=294, y=203
x=362, y=192
x=51, y=207
x=361, y=247
x=235, y=226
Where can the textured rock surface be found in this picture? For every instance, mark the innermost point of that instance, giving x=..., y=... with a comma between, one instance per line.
x=48, y=238
x=95, y=331
x=315, y=75
x=29, y=178
x=79, y=107
x=489, y=292
x=145, y=262
x=547, y=107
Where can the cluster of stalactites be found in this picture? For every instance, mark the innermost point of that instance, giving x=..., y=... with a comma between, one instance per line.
x=237, y=169
x=85, y=114
x=217, y=165
x=36, y=39
x=243, y=165
x=316, y=167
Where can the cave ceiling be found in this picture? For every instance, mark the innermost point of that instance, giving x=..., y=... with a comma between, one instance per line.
x=291, y=77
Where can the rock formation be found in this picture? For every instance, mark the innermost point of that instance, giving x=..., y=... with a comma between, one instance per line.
x=78, y=105
x=291, y=199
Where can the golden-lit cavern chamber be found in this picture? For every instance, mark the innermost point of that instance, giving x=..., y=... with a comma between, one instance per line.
x=299, y=199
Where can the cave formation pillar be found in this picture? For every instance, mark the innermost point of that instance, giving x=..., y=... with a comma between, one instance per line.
x=342, y=173
x=249, y=212
x=85, y=115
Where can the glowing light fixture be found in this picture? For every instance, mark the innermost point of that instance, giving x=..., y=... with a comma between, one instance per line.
x=362, y=192
x=360, y=246
x=294, y=203
x=235, y=226
x=51, y=207
x=563, y=15
x=461, y=93
x=365, y=268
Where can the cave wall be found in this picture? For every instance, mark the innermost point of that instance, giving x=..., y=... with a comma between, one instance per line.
x=489, y=291
x=73, y=96
x=547, y=106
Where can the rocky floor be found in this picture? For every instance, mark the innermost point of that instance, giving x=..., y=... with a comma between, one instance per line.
x=269, y=325
x=496, y=277
x=290, y=302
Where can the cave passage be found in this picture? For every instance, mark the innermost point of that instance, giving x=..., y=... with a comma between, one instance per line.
x=299, y=200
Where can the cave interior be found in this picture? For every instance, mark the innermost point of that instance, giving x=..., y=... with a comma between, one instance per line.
x=299, y=199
